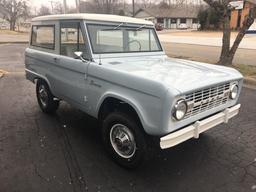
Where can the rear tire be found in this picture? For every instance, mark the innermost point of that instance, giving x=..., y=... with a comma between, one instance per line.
x=124, y=139
x=45, y=98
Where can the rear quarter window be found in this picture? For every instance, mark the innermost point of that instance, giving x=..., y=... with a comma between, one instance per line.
x=43, y=36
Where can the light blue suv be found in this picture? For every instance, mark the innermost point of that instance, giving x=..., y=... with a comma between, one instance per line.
x=114, y=69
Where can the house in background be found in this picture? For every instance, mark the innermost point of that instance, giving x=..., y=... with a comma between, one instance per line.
x=171, y=18
x=240, y=11
x=4, y=24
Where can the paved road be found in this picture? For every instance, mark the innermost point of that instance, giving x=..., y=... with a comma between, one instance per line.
x=63, y=152
x=208, y=53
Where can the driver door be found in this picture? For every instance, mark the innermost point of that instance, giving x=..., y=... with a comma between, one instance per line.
x=72, y=71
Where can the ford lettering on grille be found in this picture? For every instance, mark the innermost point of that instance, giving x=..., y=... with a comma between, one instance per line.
x=208, y=98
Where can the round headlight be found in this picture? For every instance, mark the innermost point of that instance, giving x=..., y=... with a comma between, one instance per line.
x=180, y=109
x=233, y=91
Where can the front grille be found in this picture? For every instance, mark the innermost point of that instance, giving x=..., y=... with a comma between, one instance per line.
x=206, y=99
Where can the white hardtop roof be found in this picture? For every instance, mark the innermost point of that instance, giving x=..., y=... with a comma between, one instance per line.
x=93, y=17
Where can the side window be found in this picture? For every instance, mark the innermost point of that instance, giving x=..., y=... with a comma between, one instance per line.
x=71, y=39
x=43, y=36
x=195, y=20
x=173, y=21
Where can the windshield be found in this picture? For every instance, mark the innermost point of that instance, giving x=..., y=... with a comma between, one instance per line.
x=122, y=39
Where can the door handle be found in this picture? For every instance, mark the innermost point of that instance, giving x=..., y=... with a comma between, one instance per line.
x=55, y=59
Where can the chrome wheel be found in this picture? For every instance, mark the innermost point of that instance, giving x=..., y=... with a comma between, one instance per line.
x=122, y=141
x=43, y=95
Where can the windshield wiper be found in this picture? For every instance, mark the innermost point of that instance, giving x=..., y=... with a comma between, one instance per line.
x=142, y=26
x=115, y=28
x=118, y=26
x=128, y=29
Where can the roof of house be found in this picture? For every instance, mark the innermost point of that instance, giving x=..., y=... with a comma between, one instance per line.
x=180, y=12
x=94, y=17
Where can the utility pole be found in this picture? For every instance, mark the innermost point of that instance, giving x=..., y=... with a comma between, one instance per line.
x=51, y=5
x=133, y=8
x=65, y=6
x=65, y=12
x=35, y=9
x=77, y=6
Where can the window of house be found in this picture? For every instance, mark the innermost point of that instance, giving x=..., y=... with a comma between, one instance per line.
x=195, y=20
x=160, y=20
x=71, y=39
x=183, y=20
x=43, y=36
x=173, y=21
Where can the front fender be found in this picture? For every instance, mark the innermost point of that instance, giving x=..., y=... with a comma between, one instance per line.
x=148, y=122
x=33, y=76
x=135, y=105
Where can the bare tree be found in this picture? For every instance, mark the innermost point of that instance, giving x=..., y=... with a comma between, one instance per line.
x=163, y=4
x=12, y=10
x=146, y=3
x=223, y=8
x=44, y=11
x=58, y=8
x=106, y=6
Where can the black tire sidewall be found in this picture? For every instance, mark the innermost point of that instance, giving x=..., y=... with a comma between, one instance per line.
x=130, y=123
x=52, y=105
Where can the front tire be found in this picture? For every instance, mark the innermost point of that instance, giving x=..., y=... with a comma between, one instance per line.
x=45, y=98
x=124, y=139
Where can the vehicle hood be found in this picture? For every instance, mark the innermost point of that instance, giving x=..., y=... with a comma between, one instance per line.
x=183, y=75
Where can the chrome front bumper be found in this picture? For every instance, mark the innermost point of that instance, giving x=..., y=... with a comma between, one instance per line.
x=193, y=131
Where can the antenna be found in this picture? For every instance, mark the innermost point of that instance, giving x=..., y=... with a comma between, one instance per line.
x=100, y=59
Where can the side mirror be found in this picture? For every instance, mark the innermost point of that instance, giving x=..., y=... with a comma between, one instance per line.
x=79, y=55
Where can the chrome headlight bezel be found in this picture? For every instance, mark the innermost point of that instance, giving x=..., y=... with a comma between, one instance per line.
x=234, y=89
x=180, y=109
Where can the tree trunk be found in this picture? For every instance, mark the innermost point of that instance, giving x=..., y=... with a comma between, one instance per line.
x=12, y=25
x=228, y=58
x=225, y=40
x=246, y=25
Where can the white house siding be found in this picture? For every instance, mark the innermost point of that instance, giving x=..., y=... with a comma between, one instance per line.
x=178, y=22
x=167, y=24
x=189, y=23
x=174, y=26
x=195, y=26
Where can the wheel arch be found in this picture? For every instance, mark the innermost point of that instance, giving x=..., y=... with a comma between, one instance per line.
x=34, y=77
x=110, y=102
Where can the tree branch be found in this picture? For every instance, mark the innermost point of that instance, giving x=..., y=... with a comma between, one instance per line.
x=249, y=20
x=216, y=5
